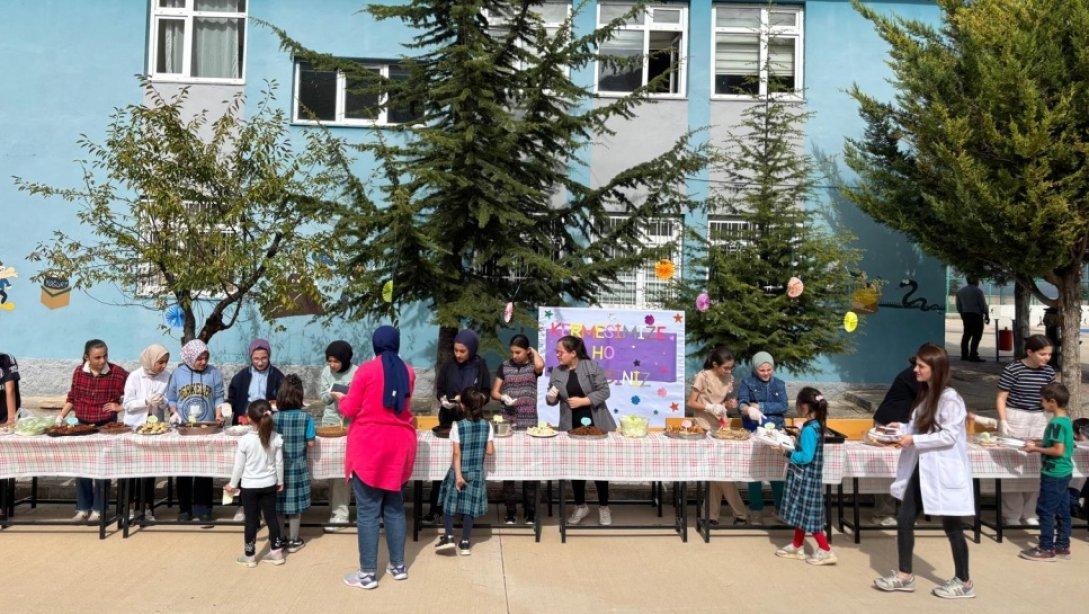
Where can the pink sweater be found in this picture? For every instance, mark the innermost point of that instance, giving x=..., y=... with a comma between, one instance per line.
x=381, y=444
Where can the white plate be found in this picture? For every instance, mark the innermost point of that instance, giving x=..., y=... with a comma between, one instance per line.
x=1011, y=442
x=774, y=442
x=877, y=435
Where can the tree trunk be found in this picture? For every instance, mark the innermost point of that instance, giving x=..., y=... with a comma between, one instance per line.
x=189, y=328
x=1070, y=308
x=445, y=351
x=1021, y=319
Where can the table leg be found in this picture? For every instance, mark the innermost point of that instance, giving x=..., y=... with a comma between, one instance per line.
x=103, y=508
x=170, y=492
x=537, y=513
x=855, y=515
x=562, y=510
x=661, y=492
x=33, y=493
x=998, y=509
x=683, y=487
x=828, y=512
x=977, y=522
x=4, y=485
x=549, y=497
x=704, y=523
x=839, y=505
x=417, y=512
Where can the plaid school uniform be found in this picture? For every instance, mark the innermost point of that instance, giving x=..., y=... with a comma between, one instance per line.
x=473, y=500
x=803, y=496
x=293, y=425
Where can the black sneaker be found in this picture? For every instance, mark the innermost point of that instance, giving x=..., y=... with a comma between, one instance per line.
x=530, y=518
x=464, y=548
x=511, y=519
x=294, y=545
x=206, y=521
x=185, y=517
x=445, y=544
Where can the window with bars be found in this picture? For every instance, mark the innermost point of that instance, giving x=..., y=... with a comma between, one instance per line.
x=332, y=97
x=552, y=14
x=150, y=281
x=757, y=51
x=641, y=287
x=197, y=40
x=658, y=36
x=728, y=232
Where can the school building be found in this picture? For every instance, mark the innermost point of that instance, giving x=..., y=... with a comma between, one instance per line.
x=70, y=63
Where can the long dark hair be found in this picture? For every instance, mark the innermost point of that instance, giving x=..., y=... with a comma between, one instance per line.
x=290, y=395
x=574, y=344
x=815, y=402
x=260, y=414
x=472, y=404
x=520, y=341
x=718, y=356
x=931, y=392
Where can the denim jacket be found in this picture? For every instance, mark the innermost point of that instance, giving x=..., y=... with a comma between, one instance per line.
x=770, y=395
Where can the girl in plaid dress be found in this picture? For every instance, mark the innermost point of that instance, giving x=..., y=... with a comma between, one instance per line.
x=464, y=491
x=803, y=499
x=298, y=432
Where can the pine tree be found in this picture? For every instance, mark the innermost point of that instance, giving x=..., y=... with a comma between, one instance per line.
x=769, y=182
x=479, y=205
x=981, y=156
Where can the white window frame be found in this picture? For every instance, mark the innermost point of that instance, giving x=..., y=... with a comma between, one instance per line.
x=641, y=273
x=150, y=283
x=187, y=14
x=764, y=32
x=726, y=220
x=648, y=26
x=500, y=21
x=341, y=100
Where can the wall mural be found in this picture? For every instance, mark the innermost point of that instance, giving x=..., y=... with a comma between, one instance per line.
x=910, y=301
x=6, y=275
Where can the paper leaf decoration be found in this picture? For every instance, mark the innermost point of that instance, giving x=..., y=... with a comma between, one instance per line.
x=850, y=321
x=795, y=287
x=508, y=313
x=664, y=270
x=174, y=316
x=387, y=291
x=703, y=302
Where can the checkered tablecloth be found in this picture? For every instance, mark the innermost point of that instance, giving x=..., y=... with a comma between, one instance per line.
x=519, y=457
x=866, y=461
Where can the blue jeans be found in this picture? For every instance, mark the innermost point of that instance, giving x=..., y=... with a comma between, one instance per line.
x=1053, y=510
x=372, y=504
x=89, y=494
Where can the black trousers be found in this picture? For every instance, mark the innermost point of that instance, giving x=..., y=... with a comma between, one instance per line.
x=905, y=531
x=194, y=495
x=972, y=335
x=529, y=496
x=579, y=488
x=255, y=503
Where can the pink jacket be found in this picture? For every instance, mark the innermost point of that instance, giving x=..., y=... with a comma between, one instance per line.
x=381, y=444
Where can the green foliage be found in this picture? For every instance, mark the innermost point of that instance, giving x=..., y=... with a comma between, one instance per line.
x=769, y=181
x=479, y=202
x=209, y=214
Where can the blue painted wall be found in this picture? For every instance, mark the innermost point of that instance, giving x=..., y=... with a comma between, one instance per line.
x=49, y=98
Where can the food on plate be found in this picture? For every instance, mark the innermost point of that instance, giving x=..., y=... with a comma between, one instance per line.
x=771, y=435
x=586, y=431
x=114, y=428
x=152, y=428
x=1011, y=442
x=241, y=429
x=70, y=430
x=329, y=431
x=543, y=429
x=28, y=427
x=986, y=439
x=199, y=428
x=686, y=429
x=735, y=434
x=633, y=426
x=883, y=436
x=501, y=426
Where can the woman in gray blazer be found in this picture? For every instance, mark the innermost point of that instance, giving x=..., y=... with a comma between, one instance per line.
x=580, y=388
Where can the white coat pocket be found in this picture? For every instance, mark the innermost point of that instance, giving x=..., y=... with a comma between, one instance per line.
x=952, y=474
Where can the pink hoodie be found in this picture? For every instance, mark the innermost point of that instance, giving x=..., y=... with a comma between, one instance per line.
x=381, y=444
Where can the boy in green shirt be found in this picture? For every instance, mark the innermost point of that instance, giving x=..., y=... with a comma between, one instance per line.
x=1056, y=469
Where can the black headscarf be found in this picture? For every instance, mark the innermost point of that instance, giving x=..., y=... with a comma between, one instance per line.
x=342, y=351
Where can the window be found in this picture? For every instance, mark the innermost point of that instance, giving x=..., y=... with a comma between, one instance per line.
x=658, y=37
x=552, y=14
x=213, y=249
x=728, y=232
x=641, y=287
x=198, y=40
x=332, y=97
x=757, y=51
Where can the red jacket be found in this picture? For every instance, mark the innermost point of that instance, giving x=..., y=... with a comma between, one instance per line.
x=90, y=392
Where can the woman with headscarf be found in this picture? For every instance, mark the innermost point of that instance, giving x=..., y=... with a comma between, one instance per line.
x=380, y=453
x=261, y=380
x=335, y=378
x=466, y=370
x=145, y=395
x=195, y=393
x=763, y=400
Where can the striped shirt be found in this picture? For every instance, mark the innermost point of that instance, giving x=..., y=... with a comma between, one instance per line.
x=1024, y=384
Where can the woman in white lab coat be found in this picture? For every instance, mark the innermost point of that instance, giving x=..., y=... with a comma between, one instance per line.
x=933, y=476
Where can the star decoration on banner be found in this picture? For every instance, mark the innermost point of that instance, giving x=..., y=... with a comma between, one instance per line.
x=678, y=318
x=673, y=407
x=636, y=363
x=548, y=313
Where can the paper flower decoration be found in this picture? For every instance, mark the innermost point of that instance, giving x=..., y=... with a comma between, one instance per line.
x=387, y=291
x=703, y=302
x=795, y=287
x=850, y=321
x=508, y=313
x=174, y=316
x=649, y=320
x=662, y=392
x=664, y=270
x=635, y=400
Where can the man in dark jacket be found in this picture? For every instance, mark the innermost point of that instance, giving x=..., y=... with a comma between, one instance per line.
x=260, y=381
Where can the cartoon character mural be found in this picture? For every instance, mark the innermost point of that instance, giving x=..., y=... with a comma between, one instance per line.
x=6, y=275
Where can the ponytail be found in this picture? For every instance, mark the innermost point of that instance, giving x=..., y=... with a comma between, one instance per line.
x=816, y=404
x=260, y=414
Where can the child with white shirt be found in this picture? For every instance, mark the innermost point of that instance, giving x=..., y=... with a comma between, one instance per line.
x=259, y=470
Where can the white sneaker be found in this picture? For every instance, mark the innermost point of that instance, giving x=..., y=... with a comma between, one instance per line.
x=94, y=517
x=790, y=551
x=1032, y=522
x=604, y=516
x=580, y=512
x=885, y=521
x=822, y=557
x=149, y=516
x=81, y=516
x=240, y=515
